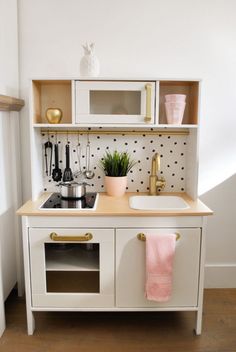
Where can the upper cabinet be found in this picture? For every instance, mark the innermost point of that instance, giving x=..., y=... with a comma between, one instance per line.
x=52, y=94
x=188, y=88
x=108, y=102
x=100, y=102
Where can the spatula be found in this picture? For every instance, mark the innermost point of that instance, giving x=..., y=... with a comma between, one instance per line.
x=56, y=172
x=68, y=175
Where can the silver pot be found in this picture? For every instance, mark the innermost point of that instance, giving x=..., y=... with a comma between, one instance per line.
x=73, y=190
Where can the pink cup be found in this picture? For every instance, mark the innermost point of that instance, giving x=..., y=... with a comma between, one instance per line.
x=175, y=98
x=174, y=113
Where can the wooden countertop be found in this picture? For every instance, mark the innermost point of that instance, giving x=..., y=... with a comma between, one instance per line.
x=113, y=206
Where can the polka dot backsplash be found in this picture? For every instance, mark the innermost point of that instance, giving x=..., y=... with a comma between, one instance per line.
x=172, y=150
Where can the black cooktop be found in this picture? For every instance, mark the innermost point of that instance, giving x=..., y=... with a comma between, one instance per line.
x=56, y=201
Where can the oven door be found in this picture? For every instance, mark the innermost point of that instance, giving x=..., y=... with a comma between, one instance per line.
x=109, y=102
x=72, y=268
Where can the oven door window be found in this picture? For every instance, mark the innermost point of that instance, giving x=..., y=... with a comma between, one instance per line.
x=72, y=267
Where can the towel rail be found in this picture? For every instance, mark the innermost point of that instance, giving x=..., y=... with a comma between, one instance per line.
x=141, y=236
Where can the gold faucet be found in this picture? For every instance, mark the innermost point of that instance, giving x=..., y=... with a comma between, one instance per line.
x=155, y=183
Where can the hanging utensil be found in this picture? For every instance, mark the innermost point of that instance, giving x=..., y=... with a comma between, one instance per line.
x=89, y=174
x=48, y=156
x=68, y=175
x=79, y=152
x=56, y=172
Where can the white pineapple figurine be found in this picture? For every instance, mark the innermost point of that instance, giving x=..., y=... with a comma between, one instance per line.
x=89, y=64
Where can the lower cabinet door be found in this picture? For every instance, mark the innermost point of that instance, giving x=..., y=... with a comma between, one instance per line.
x=72, y=268
x=131, y=268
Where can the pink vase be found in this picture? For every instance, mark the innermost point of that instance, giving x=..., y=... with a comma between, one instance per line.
x=115, y=186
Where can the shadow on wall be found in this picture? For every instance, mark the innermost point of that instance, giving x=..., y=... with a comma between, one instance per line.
x=221, y=228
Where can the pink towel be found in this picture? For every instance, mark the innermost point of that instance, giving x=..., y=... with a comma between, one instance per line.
x=160, y=250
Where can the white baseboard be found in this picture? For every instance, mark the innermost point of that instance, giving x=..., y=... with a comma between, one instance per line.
x=220, y=276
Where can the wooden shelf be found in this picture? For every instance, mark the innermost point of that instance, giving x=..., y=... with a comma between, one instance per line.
x=52, y=94
x=190, y=89
x=8, y=103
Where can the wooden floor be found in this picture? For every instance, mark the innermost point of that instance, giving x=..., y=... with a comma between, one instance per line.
x=133, y=332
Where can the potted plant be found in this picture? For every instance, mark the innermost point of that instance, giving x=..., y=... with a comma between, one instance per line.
x=116, y=167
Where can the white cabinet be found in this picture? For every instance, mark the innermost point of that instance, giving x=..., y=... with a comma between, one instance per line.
x=130, y=268
x=72, y=267
x=69, y=266
x=120, y=102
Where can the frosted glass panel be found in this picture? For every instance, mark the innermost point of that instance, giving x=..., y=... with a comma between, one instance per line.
x=115, y=102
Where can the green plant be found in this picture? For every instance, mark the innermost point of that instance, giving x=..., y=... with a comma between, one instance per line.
x=116, y=164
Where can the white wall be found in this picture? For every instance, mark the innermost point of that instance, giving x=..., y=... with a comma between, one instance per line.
x=156, y=38
x=9, y=131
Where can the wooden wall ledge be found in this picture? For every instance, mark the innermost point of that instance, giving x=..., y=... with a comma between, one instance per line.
x=10, y=104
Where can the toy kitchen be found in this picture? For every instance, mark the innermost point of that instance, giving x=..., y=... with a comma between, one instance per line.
x=85, y=242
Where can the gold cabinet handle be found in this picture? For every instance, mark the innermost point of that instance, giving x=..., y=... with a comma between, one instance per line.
x=55, y=237
x=141, y=236
x=148, y=117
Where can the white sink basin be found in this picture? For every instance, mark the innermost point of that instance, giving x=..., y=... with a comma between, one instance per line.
x=157, y=203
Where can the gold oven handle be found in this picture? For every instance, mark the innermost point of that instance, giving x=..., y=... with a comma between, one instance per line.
x=142, y=237
x=55, y=237
x=148, y=117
